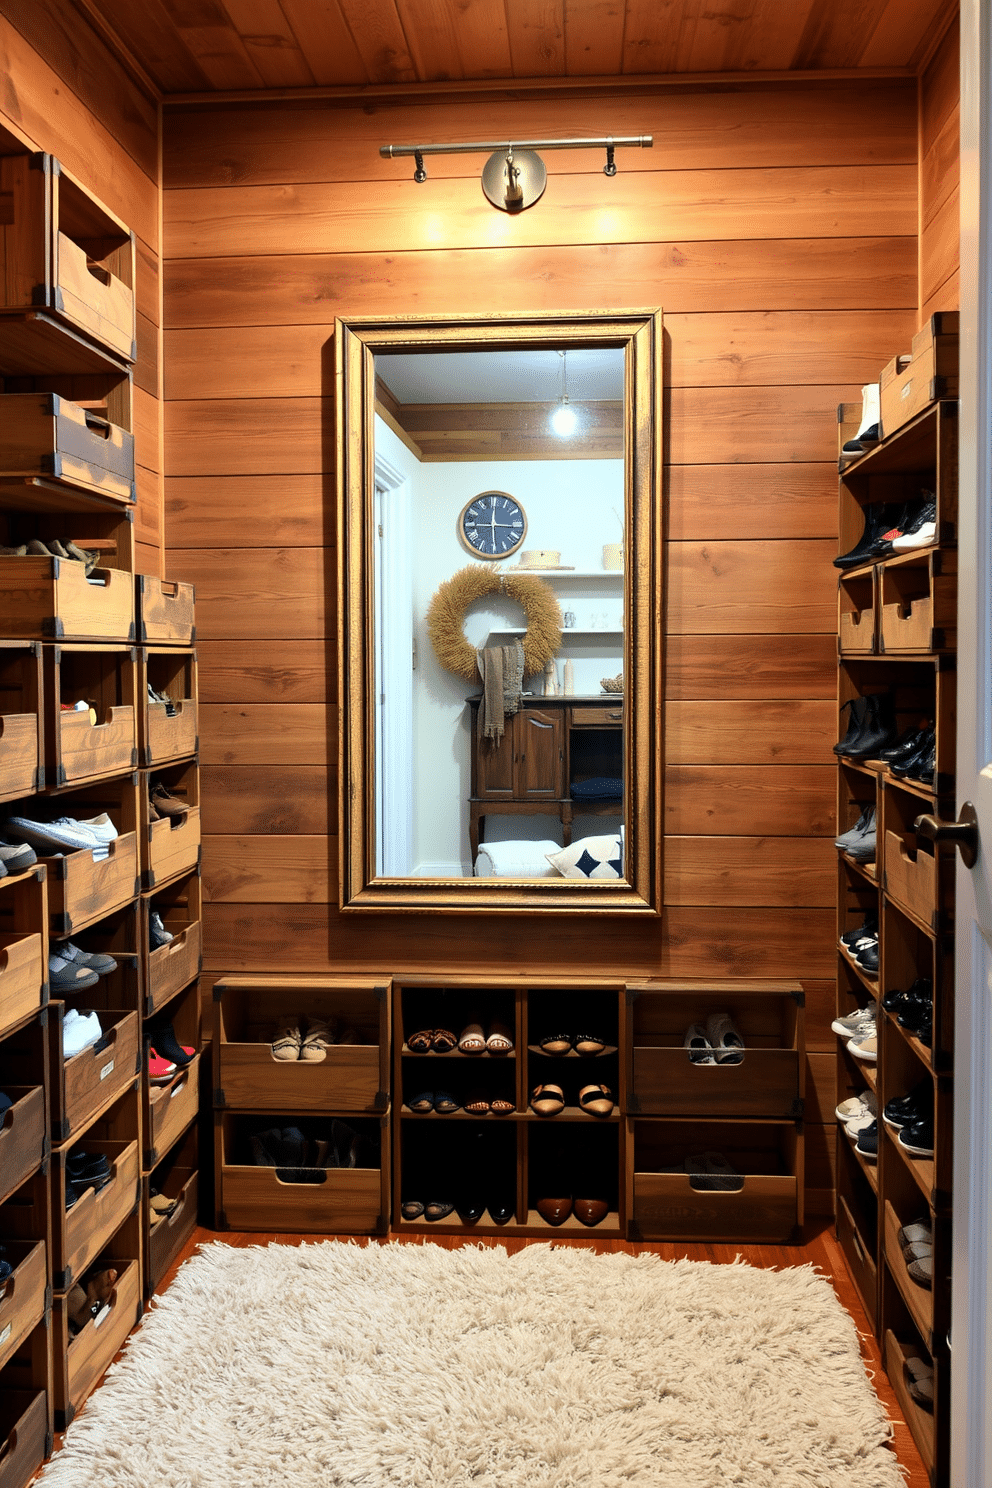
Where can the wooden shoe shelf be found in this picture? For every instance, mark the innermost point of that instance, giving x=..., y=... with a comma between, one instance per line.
x=171, y=672
x=79, y=749
x=22, y=726
x=23, y=947
x=897, y=635
x=170, y=845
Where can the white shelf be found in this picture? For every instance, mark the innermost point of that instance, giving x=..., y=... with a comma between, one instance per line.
x=571, y=631
x=570, y=573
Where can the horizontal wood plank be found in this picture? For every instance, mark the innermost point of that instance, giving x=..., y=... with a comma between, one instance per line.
x=268, y=671
x=940, y=169
x=262, y=800
x=147, y=559
x=750, y=733
x=821, y=1088
x=940, y=247
x=280, y=870
x=147, y=442
x=706, y=502
x=947, y=297
x=250, y=436
x=146, y=366
x=148, y=510
x=751, y=589
x=710, y=667
x=821, y=1007
x=940, y=89
x=268, y=734
x=652, y=207
x=286, y=511
x=259, y=594
x=741, y=800
x=734, y=871
x=694, y=943
x=769, y=126
x=739, y=426
x=851, y=273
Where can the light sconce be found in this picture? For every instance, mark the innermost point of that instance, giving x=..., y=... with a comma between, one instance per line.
x=514, y=176
x=564, y=420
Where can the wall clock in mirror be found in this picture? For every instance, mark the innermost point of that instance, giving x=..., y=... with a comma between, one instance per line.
x=492, y=525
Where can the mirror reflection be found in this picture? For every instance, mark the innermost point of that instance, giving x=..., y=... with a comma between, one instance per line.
x=498, y=581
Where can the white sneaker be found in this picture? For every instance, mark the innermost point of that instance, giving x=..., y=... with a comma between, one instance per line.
x=857, y=1106
x=101, y=826
x=853, y=1024
x=79, y=1031
x=920, y=539
x=48, y=837
x=865, y=1046
x=859, y=1124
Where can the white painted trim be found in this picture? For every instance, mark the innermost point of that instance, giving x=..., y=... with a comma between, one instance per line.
x=394, y=629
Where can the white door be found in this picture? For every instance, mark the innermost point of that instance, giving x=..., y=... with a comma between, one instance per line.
x=971, y=1329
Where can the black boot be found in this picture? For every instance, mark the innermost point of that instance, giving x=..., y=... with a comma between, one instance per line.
x=855, y=723
x=876, y=522
x=879, y=729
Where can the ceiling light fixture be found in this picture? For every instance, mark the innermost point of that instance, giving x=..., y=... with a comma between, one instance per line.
x=514, y=176
x=564, y=420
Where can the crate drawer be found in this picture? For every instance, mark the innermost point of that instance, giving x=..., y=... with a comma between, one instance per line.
x=608, y=716
x=23, y=1136
x=856, y=614
x=170, y=1109
x=167, y=1238
x=20, y=755
x=165, y=611
x=22, y=978
x=80, y=891
x=347, y=1080
x=173, y=966
x=667, y=1207
x=345, y=1200
x=922, y=883
x=23, y=1295
x=94, y=299
x=168, y=738
x=86, y=751
x=50, y=599
x=766, y=1083
x=172, y=847
x=91, y=1080
x=80, y=1233
x=860, y=1261
x=81, y=1359
x=43, y=435
x=23, y=1435
x=919, y=603
x=908, y=384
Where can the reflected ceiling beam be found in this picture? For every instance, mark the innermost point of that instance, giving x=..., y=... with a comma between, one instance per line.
x=391, y=413
x=507, y=431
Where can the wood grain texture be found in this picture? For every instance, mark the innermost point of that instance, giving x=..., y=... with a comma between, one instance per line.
x=281, y=870
x=268, y=671
x=740, y=426
x=777, y=348
x=707, y=502
x=718, y=801
x=947, y=297
x=750, y=733
x=707, y=667
x=820, y=1010
x=249, y=436
x=751, y=588
x=940, y=247
x=733, y=871
x=281, y=800
x=268, y=733
x=940, y=87
x=261, y=594
x=286, y=511
x=311, y=288
x=821, y=1088
x=940, y=168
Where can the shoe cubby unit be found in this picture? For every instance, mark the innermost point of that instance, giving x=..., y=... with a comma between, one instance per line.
x=918, y=875
x=22, y=729
x=100, y=737
x=170, y=838
x=85, y=886
x=339, y=1061
x=165, y=611
x=64, y=251
x=921, y=456
x=679, y=1186
x=24, y=1296
x=912, y=705
x=918, y=603
x=271, y=1172
x=857, y=613
x=464, y=1178
x=858, y=907
x=24, y=1123
x=88, y=1210
x=24, y=986
x=26, y=1434
x=573, y=1180
x=906, y=1360
x=114, y=938
x=765, y=1079
x=170, y=965
x=923, y=1147
x=857, y=1224
x=171, y=1100
x=919, y=981
x=928, y=1303
x=52, y=599
x=81, y=1358
x=929, y=371
x=168, y=728
x=85, y=1084
x=69, y=446
x=857, y=809
x=176, y=1179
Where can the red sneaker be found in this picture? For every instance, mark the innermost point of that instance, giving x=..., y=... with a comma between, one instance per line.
x=160, y=1071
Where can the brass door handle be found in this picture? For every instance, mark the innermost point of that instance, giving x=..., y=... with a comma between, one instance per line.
x=963, y=833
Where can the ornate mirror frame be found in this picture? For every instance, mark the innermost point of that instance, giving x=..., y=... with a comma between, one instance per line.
x=357, y=341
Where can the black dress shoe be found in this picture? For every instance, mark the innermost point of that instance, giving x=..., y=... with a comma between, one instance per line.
x=916, y=1015
x=900, y=517
x=921, y=991
x=908, y=766
x=867, y=959
x=437, y=1209
x=501, y=1212
x=903, y=1110
x=471, y=1211
x=907, y=743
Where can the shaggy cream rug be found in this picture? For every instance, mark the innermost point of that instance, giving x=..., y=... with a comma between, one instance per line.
x=412, y=1366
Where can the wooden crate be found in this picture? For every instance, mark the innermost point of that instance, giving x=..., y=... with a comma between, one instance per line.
x=919, y=603
x=45, y=436
x=171, y=967
x=930, y=372
x=353, y=1077
x=80, y=750
x=23, y=947
x=769, y=1081
x=81, y=1360
x=85, y=1085
x=25, y=1432
x=170, y=846
x=24, y=1295
x=857, y=614
x=919, y=1420
x=169, y=1109
x=172, y=672
x=79, y=1233
x=50, y=599
x=62, y=249
x=860, y=1257
x=176, y=1176
x=165, y=611
x=918, y=876
x=22, y=730
x=24, y=1138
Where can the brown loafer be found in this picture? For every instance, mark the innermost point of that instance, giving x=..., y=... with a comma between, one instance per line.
x=547, y=1100
x=590, y=1211
x=554, y=1211
x=596, y=1099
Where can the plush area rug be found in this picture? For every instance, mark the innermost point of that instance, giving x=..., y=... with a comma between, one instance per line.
x=413, y=1366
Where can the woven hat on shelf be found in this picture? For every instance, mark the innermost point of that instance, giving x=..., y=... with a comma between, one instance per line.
x=539, y=558
x=612, y=684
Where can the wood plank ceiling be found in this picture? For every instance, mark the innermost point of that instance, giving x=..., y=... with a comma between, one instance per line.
x=190, y=46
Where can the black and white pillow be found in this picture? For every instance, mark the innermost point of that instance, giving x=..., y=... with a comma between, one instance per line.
x=590, y=857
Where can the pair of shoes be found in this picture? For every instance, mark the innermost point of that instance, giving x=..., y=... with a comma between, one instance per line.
x=157, y=933
x=860, y=841
x=859, y=1116
x=159, y=1207
x=432, y=1041
x=168, y=1046
x=867, y=930
x=712, y=1171
x=162, y=699
x=478, y=1103
x=89, y=1297
x=68, y=551
x=287, y=1147
x=860, y=1028
x=81, y=706
x=718, y=1043
x=71, y=969
x=594, y=1100
x=919, y=761
x=590, y=1212
x=913, y=525
x=870, y=429
x=913, y=1008
x=160, y=1070
x=162, y=805
x=87, y=1170
x=441, y=1101
x=916, y=1244
x=871, y=726
x=912, y=1117
x=65, y=834
x=560, y=1044
x=918, y=1375
x=290, y=1042
x=472, y=1039
x=79, y=1032
x=861, y=946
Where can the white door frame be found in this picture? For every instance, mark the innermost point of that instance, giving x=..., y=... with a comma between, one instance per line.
x=394, y=680
x=971, y=1329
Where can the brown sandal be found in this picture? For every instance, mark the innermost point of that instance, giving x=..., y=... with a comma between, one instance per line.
x=472, y=1039
x=420, y=1042
x=477, y=1104
x=547, y=1100
x=596, y=1099
x=500, y=1040
x=443, y=1041
x=500, y=1106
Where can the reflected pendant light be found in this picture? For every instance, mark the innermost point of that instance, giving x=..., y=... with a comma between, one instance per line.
x=564, y=419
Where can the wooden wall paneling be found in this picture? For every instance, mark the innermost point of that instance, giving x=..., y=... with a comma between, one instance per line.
x=831, y=202
x=740, y=425
x=764, y=501
x=270, y=672
x=752, y=588
x=260, y=594
x=268, y=733
x=285, y=511
x=147, y=558
x=281, y=800
x=278, y=870
x=146, y=366
x=947, y=297
x=940, y=247
x=750, y=733
x=713, y=802
x=311, y=288
x=147, y=515
x=750, y=870
x=940, y=168
x=712, y=667
x=820, y=1012
x=821, y=1087
x=940, y=87
x=247, y=436
x=770, y=348
x=147, y=436
x=939, y=174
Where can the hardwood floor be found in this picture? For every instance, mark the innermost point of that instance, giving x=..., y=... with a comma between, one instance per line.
x=820, y=1249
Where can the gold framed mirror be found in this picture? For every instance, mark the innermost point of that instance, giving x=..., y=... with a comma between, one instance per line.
x=520, y=789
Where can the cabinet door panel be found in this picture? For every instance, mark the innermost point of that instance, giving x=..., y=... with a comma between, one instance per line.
x=494, y=768
x=540, y=757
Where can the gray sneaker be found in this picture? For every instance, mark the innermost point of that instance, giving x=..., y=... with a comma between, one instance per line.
x=49, y=837
x=92, y=960
x=15, y=857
